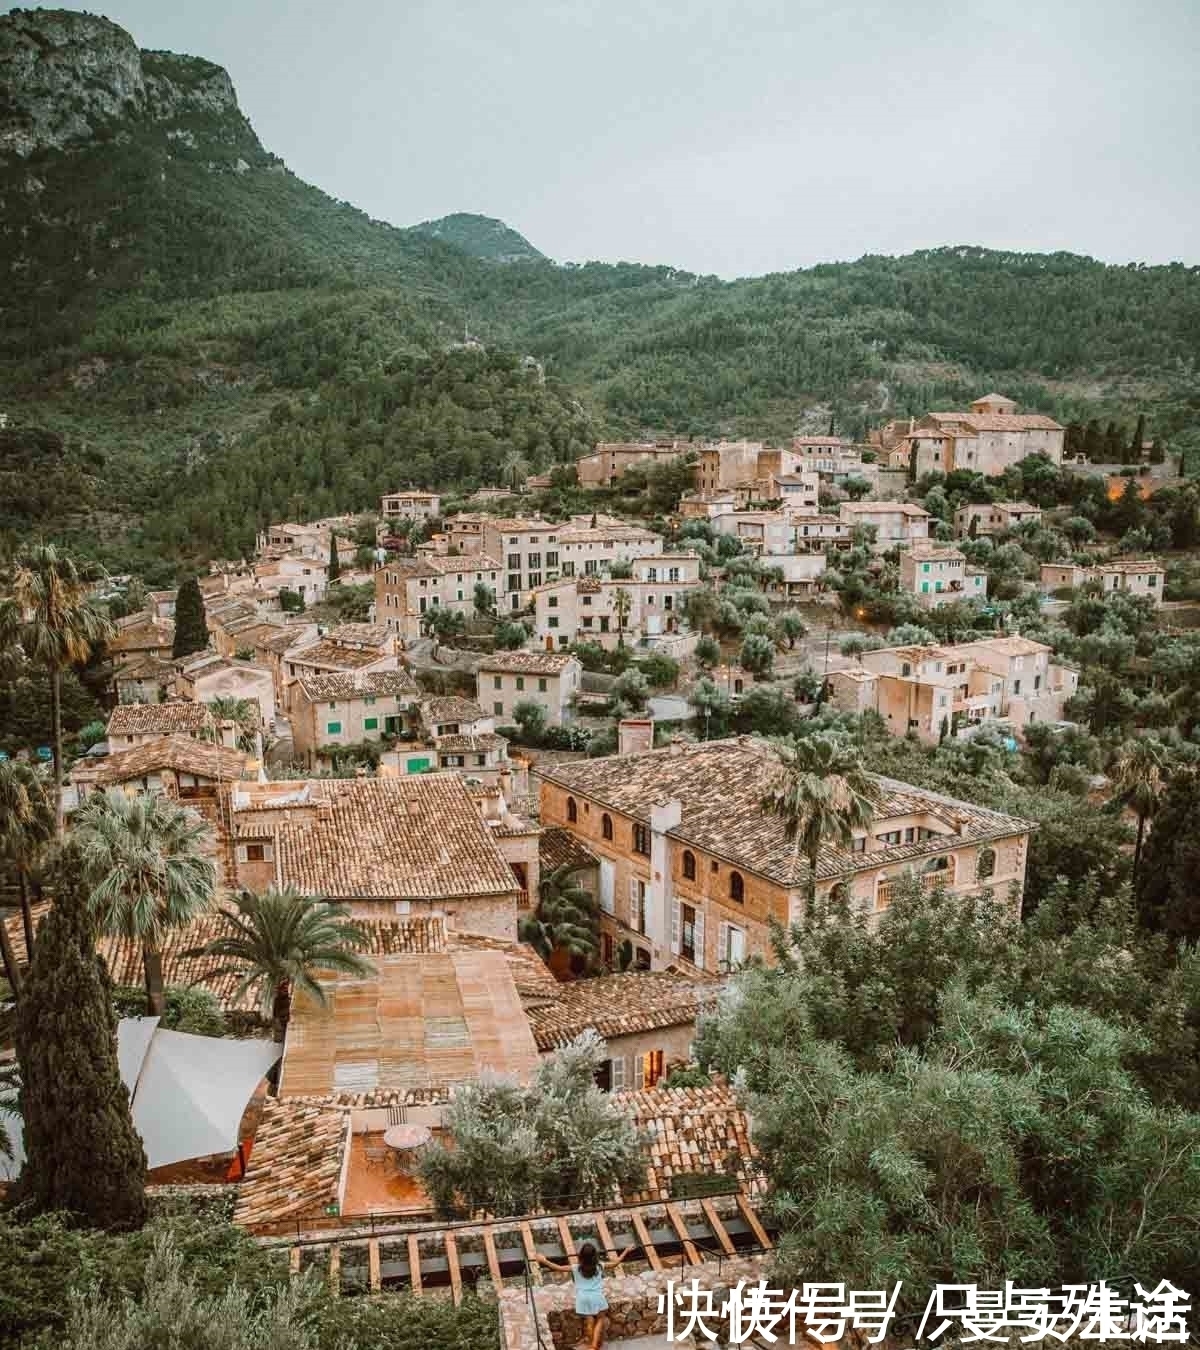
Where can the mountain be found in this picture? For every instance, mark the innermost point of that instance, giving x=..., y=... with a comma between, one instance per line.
x=209, y=342
x=481, y=237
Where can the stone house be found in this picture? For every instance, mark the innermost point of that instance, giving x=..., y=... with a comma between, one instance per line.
x=140, y=636
x=647, y=1019
x=149, y=679
x=936, y=691
x=176, y=766
x=408, y=588
x=131, y=724
x=551, y=679
x=410, y=505
x=388, y=847
x=585, y=609
x=611, y=460
x=1145, y=577
x=691, y=869
x=982, y=519
x=338, y=708
x=207, y=676
x=990, y=438
x=938, y=574
x=894, y=522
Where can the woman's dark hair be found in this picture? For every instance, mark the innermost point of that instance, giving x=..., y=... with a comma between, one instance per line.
x=588, y=1260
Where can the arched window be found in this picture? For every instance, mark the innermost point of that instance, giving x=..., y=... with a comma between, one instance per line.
x=689, y=865
x=572, y=810
x=986, y=866
x=737, y=887
x=606, y=826
x=840, y=893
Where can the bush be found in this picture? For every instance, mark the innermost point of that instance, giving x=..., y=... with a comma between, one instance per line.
x=660, y=670
x=189, y=1008
x=758, y=654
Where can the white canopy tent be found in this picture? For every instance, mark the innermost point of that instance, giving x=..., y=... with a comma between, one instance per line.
x=189, y=1092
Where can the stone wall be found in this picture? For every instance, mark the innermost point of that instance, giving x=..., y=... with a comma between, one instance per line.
x=632, y=1300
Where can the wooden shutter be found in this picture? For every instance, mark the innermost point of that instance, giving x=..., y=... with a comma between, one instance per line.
x=737, y=945
x=639, y=1081
x=635, y=905
x=723, y=947
x=241, y=853
x=675, y=925
x=617, y=1073
x=698, y=938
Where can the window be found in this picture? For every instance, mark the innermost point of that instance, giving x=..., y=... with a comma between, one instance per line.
x=572, y=810
x=453, y=761
x=497, y=682
x=256, y=853
x=370, y=723
x=689, y=865
x=535, y=561
x=1016, y=686
x=551, y=622
x=606, y=828
x=535, y=579
x=542, y=684
x=858, y=844
x=551, y=560
x=552, y=602
x=498, y=708
x=520, y=683
x=333, y=728
x=641, y=839
x=737, y=887
x=369, y=700
x=986, y=866
x=568, y=569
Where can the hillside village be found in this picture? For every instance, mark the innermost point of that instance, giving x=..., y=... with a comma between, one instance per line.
x=537, y=793
x=527, y=745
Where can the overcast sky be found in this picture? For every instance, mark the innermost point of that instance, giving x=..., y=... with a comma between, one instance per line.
x=729, y=136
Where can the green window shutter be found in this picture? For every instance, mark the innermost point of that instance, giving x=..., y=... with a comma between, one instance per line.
x=924, y=587
x=418, y=765
x=333, y=728
x=370, y=723
x=924, y=567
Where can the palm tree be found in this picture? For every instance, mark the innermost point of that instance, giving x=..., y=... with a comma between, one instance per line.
x=566, y=918
x=622, y=603
x=280, y=942
x=26, y=827
x=49, y=615
x=245, y=715
x=143, y=860
x=514, y=469
x=821, y=792
x=1139, y=774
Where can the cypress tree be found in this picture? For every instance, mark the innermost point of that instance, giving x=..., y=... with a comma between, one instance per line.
x=1139, y=435
x=191, y=630
x=83, y=1155
x=335, y=568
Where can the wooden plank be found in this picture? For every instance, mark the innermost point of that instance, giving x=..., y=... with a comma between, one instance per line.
x=294, y=1261
x=607, y=1243
x=681, y=1228
x=643, y=1236
x=567, y=1239
x=760, y=1233
x=455, y=1272
x=373, y=1276
x=489, y=1247
x=714, y=1222
x=414, y=1263
x=535, y=1271
x=335, y=1269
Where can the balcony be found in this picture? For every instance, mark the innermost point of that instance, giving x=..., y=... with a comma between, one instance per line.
x=930, y=877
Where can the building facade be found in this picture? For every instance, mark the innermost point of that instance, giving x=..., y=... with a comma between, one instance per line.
x=549, y=679
x=406, y=589
x=939, y=574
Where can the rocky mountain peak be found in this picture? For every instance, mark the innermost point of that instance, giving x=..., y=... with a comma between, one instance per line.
x=68, y=78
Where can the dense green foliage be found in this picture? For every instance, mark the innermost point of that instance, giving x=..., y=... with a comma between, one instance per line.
x=46, y=1268
x=480, y=236
x=74, y=1106
x=191, y=629
x=956, y=1097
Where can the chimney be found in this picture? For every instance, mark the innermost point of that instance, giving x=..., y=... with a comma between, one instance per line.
x=635, y=735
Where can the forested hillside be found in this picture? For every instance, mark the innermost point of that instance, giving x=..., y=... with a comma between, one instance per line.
x=480, y=236
x=220, y=342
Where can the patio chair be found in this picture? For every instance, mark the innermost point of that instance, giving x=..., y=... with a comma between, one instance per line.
x=377, y=1154
x=397, y=1115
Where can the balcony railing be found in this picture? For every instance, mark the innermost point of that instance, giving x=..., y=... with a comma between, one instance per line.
x=886, y=891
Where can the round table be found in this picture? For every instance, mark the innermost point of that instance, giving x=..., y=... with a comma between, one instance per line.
x=406, y=1138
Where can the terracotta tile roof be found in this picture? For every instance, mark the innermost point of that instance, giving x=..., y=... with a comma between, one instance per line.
x=528, y=663
x=995, y=421
x=428, y=1020
x=883, y=508
x=720, y=785
x=1132, y=566
x=279, y=641
x=533, y=978
x=158, y=719
x=145, y=668
x=416, y=935
x=179, y=753
x=688, y=1130
x=483, y=741
x=366, y=634
x=340, y=684
x=419, y=837
x=449, y=708
x=336, y=656
x=560, y=848
x=143, y=635
x=621, y=1005
x=296, y=1163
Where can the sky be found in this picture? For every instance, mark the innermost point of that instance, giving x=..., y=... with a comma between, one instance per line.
x=734, y=137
